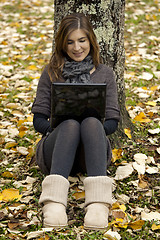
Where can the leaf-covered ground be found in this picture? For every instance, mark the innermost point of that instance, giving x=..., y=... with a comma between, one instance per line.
x=26, y=30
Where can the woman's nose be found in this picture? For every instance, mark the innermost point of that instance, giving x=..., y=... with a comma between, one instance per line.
x=76, y=46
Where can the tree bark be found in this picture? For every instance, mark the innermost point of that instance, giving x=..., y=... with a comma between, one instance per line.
x=107, y=18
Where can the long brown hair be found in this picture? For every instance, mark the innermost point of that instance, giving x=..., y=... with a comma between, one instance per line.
x=69, y=24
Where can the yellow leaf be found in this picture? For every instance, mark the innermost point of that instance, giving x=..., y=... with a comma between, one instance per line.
x=154, y=88
x=123, y=207
x=151, y=103
x=10, y=194
x=154, y=17
x=30, y=119
x=155, y=227
x=32, y=67
x=137, y=224
x=20, y=122
x=5, y=63
x=121, y=225
x=147, y=17
x=22, y=133
x=37, y=140
x=18, y=56
x=79, y=195
x=7, y=174
x=31, y=153
x=10, y=145
x=23, y=128
x=116, y=205
x=150, y=114
x=44, y=238
x=128, y=132
x=144, y=88
x=14, y=24
x=4, y=43
x=141, y=117
x=119, y=220
x=116, y=154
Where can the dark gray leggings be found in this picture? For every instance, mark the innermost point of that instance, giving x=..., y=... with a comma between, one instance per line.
x=61, y=145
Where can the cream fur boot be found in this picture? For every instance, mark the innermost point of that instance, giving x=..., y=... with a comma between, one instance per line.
x=54, y=199
x=98, y=199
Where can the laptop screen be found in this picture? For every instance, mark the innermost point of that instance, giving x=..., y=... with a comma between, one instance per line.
x=69, y=99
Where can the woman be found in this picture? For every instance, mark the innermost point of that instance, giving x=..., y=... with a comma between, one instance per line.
x=59, y=153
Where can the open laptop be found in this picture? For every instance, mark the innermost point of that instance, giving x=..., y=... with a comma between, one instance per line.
x=77, y=100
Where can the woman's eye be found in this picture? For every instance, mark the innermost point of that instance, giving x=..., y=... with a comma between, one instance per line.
x=82, y=41
x=69, y=43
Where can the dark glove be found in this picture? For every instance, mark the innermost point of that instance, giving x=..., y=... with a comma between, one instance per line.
x=110, y=126
x=41, y=123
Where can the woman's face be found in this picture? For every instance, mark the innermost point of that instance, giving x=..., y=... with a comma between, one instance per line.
x=78, y=45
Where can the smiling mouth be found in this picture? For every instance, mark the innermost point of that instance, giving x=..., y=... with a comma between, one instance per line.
x=78, y=54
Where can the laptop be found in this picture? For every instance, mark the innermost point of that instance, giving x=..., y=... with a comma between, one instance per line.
x=77, y=100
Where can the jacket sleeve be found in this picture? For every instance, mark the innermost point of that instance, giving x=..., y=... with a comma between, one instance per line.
x=112, y=108
x=42, y=102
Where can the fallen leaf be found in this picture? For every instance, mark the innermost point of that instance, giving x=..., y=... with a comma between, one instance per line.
x=141, y=117
x=140, y=168
x=111, y=235
x=118, y=214
x=117, y=205
x=137, y=224
x=2, y=215
x=13, y=224
x=151, y=103
x=143, y=95
x=79, y=195
x=158, y=150
x=7, y=174
x=116, y=154
x=154, y=88
x=10, y=194
x=142, y=184
x=124, y=171
x=17, y=113
x=154, y=131
x=22, y=133
x=146, y=76
x=140, y=158
x=151, y=170
x=32, y=67
x=128, y=132
x=23, y=150
x=155, y=227
x=10, y=145
x=13, y=105
x=150, y=216
x=119, y=223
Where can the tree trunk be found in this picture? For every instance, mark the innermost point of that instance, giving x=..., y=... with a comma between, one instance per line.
x=107, y=18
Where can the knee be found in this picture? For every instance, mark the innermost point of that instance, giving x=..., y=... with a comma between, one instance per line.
x=90, y=122
x=71, y=124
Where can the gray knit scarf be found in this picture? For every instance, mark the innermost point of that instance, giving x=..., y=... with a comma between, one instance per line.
x=78, y=72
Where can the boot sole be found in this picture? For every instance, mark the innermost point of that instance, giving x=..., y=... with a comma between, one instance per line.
x=95, y=228
x=56, y=227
